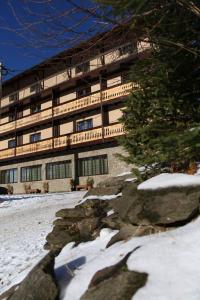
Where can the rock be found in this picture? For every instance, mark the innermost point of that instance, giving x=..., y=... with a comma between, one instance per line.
x=115, y=282
x=102, y=191
x=124, y=234
x=128, y=231
x=71, y=213
x=9, y=292
x=40, y=283
x=118, y=181
x=169, y=206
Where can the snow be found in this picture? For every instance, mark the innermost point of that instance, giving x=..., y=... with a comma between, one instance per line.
x=104, y=197
x=171, y=259
x=25, y=220
x=124, y=173
x=166, y=180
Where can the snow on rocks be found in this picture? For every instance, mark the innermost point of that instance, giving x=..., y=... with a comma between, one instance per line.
x=167, y=180
x=25, y=220
x=171, y=260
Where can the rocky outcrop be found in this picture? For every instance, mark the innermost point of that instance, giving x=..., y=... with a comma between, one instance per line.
x=40, y=283
x=79, y=224
x=165, y=207
x=115, y=282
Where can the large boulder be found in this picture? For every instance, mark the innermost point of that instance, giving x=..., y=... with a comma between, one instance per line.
x=40, y=283
x=166, y=206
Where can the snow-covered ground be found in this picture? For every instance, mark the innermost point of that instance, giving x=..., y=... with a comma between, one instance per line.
x=25, y=220
x=171, y=259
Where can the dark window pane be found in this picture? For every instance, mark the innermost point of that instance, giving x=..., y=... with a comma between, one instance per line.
x=8, y=176
x=58, y=170
x=84, y=125
x=11, y=143
x=96, y=165
x=33, y=173
x=35, y=137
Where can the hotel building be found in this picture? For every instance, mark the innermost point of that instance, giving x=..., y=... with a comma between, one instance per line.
x=60, y=119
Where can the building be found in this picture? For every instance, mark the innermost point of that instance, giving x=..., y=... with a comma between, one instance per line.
x=60, y=119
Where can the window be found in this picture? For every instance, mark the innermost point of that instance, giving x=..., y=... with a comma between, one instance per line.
x=59, y=170
x=11, y=117
x=35, y=137
x=35, y=88
x=35, y=108
x=84, y=125
x=83, y=92
x=95, y=165
x=127, y=49
x=8, y=176
x=12, y=143
x=14, y=97
x=31, y=173
x=84, y=67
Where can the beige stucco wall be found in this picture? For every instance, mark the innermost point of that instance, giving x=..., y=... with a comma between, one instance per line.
x=114, y=115
x=45, y=134
x=67, y=97
x=4, y=120
x=46, y=104
x=66, y=128
x=4, y=144
x=95, y=88
x=114, y=81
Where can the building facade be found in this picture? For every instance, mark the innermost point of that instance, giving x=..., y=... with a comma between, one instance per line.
x=60, y=120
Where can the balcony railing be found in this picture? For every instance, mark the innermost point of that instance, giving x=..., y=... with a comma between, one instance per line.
x=107, y=95
x=110, y=94
x=65, y=141
x=109, y=56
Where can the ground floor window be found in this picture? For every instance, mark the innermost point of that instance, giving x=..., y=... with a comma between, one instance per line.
x=8, y=176
x=33, y=173
x=95, y=165
x=59, y=170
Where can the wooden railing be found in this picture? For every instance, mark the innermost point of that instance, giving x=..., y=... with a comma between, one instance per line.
x=7, y=153
x=65, y=141
x=107, y=95
x=40, y=116
x=110, y=94
x=35, y=147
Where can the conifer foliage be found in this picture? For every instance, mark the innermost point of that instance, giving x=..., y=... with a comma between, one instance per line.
x=162, y=116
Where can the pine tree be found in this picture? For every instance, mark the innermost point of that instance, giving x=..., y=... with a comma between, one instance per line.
x=162, y=116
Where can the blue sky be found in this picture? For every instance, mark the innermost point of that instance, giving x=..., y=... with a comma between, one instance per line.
x=20, y=44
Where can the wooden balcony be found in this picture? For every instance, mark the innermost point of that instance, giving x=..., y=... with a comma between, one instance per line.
x=7, y=127
x=110, y=94
x=107, y=95
x=35, y=147
x=7, y=153
x=65, y=141
x=32, y=119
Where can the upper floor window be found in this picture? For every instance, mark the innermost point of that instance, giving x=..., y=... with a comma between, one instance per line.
x=84, y=125
x=35, y=108
x=11, y=117
x=35, y=137
x=84, y=67
x=12, y=143
x=83, y=92
x=14, y=97
x=126, y=49
x=36, y=87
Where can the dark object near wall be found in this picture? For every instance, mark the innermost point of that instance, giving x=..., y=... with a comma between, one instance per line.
x=3, y=191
